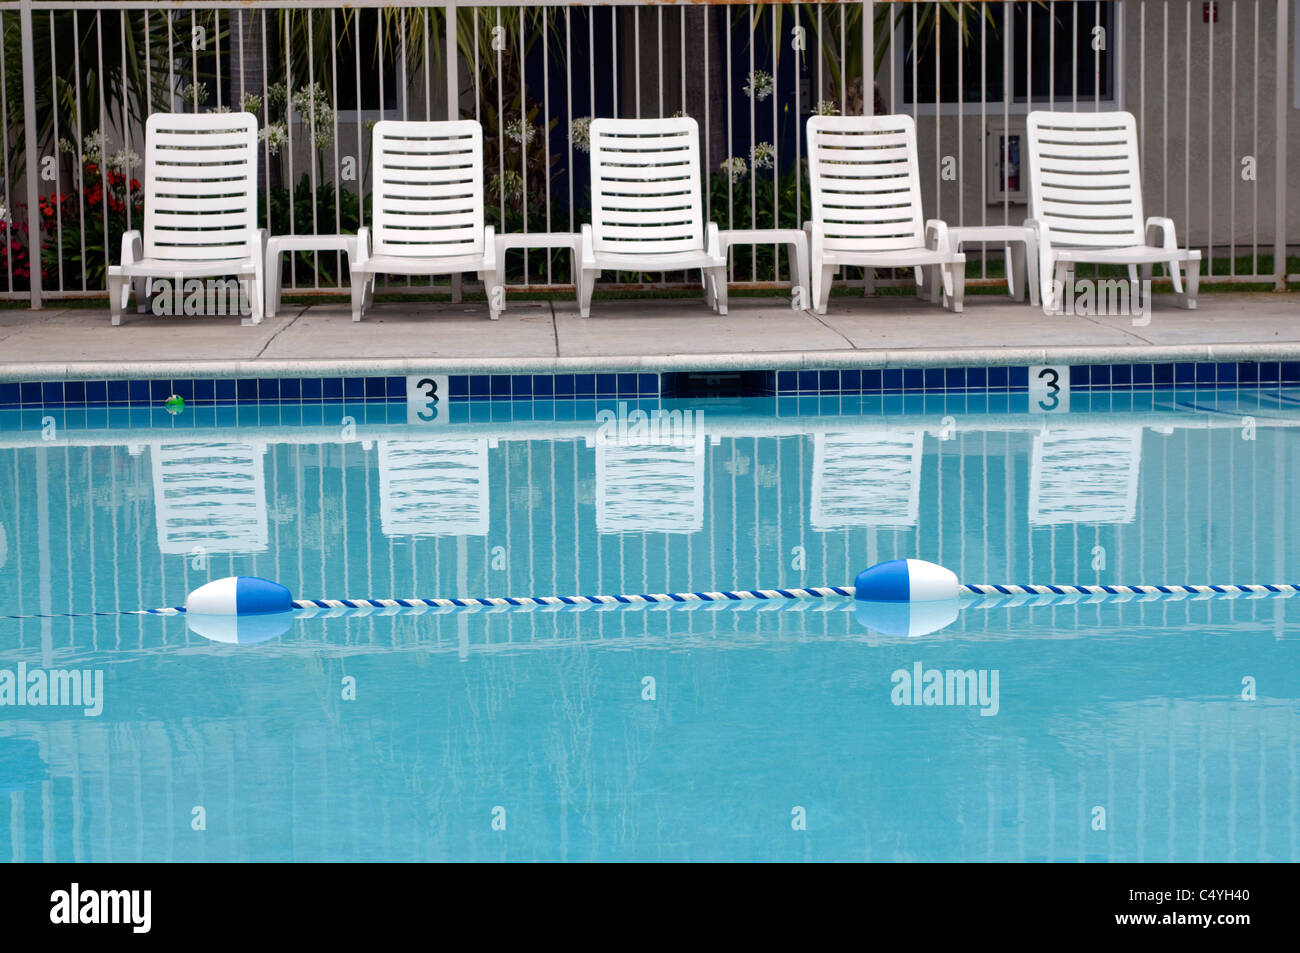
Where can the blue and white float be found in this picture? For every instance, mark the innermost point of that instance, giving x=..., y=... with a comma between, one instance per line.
x=239, y=595
x=239, y=610
x=906, y=597
x=906, y=580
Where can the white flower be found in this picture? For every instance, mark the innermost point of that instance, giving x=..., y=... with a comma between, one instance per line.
x=275, y=135
x=196, y=94
x=250, y=103
x=735, y=168
x=762, y=155
x=123, y=160
x=521, y=132
x=313, y=107
x=760, y=85
x=580, y=133
x=276, y=95
x=827, y=107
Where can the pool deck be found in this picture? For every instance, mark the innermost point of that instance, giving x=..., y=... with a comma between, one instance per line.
x=678, y=334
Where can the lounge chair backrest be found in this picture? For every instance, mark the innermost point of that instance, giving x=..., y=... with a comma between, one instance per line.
x=200, y=181
x=1084, y=180
x=428, y=188
x=645, y=186
x=866, y=187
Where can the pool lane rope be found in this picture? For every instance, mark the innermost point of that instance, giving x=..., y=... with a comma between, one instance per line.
x=898, y=581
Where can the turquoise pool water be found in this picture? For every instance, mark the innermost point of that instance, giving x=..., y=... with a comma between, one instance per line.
x=1139, y=731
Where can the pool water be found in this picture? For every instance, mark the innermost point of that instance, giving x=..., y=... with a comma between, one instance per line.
x=1110, y=731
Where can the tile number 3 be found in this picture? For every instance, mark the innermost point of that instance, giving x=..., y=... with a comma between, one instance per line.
x=429, y=387
x=1052, y=377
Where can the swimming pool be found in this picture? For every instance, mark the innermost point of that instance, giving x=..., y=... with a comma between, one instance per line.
x=1132, y=731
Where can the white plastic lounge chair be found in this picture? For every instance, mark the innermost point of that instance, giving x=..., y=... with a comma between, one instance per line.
x=434, y=487
x=426, y=208
x=200, y=218
x=209, y=495
x=650, y=487
x=866, y=207
x=1085, y=192
x=1085, y=476
x=646, y=212
x=866, y=478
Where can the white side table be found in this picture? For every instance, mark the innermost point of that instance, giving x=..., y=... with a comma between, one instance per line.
x=513, y=240
x=278, y=244
x=795, y=238
x=1021, y=249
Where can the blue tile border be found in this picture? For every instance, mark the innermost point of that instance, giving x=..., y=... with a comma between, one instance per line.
x=630, y=385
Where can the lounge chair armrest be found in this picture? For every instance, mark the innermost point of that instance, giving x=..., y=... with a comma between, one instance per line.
x=588, y=248
x=132, y=247
x=1169, y=238
x=1041, y=232
x=257, y=244
x=712, y=240
x=363, y=246
x=816, y=232
x=489, y=246
x=936, y=235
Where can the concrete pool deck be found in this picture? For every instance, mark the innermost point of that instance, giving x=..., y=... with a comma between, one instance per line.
x=675, y=334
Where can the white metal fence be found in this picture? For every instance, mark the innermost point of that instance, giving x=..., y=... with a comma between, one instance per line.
x=1208, y=84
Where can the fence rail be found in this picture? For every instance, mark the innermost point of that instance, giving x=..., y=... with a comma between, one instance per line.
x=1209, y=85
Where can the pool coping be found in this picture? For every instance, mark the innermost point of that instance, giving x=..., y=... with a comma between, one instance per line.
x=838, y=359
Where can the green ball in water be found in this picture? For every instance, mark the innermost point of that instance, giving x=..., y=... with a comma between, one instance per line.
x=175, y=404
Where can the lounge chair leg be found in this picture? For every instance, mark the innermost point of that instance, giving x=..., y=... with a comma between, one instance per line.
x=1062, y=277
x=495, y=294
x=586, y=287
x=1031, y=277
x=1193, y=283
x=359, y=284
x=1015, y=259
x=720, y=290
x=868, y=281
x=957, y=278
x=256, y=286
x=706, y=280
x=821, y=290
x=118, y=289
x=934, y=279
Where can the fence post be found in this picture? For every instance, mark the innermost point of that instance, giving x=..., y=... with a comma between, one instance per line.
x=868, y=57
x=1283, y=107
x=32, y=162
x=453, y=106
x=453, y=73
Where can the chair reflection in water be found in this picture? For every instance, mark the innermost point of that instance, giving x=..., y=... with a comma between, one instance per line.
x=652, y=486
x=1085, y=476
x=866, y=478
x=210, y=496
x=434, y=487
